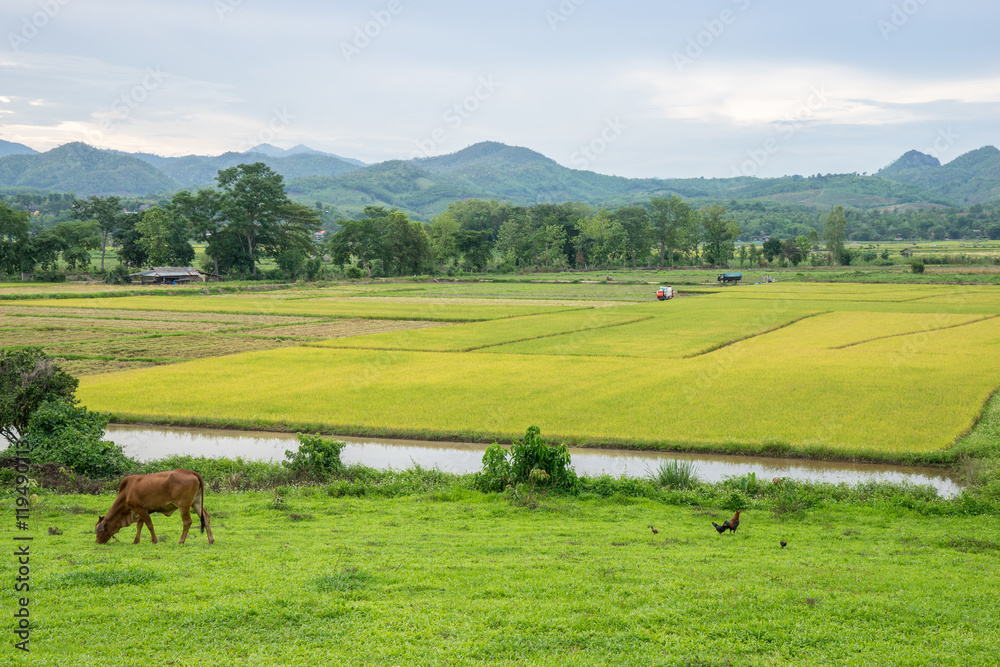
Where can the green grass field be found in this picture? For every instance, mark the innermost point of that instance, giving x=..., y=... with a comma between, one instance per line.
x=883, y=372
x=456, y=577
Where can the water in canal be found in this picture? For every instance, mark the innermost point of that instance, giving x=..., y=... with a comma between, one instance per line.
x=147, y=443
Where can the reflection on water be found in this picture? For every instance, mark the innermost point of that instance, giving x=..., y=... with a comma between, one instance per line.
x=146, y=443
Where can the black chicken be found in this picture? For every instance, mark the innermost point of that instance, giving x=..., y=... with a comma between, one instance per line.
x=731, y=524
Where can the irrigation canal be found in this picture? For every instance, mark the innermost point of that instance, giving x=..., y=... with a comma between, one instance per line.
x=147, y=443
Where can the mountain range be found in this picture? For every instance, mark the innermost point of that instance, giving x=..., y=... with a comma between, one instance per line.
x=424, y=187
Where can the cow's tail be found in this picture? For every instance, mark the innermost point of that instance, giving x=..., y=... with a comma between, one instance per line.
x=201, y=505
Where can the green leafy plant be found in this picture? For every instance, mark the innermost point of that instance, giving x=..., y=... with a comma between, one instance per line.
x=532, y=452
x=60, y=432
x=316, y=455
x=917, y=265
x=496, y=472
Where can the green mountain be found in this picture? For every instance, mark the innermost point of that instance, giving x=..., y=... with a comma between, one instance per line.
x=274, y=151
x=199, y=171
x=84, y=170
x=970, y=178
x=425, y=186
x=13, y=148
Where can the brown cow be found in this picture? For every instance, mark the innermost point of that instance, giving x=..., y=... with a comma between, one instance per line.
x=163, y=492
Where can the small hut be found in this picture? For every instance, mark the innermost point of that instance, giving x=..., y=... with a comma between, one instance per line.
x=170, y=275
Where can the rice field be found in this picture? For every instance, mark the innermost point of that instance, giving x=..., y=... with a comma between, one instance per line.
x=886, y=372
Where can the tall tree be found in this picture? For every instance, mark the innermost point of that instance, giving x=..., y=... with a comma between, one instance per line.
x=75, y=240
x=252, y=200
x=357, y=240
x=165, y=238
x=203, y=212
x=107, y=211
x=673, y=222
x=130, y=250
x=718, y=234
x=835, y=233
x=635, y=221
x=14, y=239
x=475, y=247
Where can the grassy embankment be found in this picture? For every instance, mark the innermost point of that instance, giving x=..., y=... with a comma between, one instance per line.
x=449, y=575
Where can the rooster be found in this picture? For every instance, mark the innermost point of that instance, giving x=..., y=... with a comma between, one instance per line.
x=731, y=524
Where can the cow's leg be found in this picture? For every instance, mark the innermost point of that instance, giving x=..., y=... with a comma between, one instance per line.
x=138, y=530
x=186, y=520
x=208, y=525
x=144, y=519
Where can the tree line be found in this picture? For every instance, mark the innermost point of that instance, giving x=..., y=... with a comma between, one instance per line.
x=248, y=217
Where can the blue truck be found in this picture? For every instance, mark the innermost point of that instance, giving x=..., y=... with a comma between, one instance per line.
x=729, y=278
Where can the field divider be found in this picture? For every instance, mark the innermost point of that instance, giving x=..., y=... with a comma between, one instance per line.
x=474, y=348
x=56, y=314
x=763, y=332
x=106, y=357
x=318, y=320
x=913, y=333
x=561, y=333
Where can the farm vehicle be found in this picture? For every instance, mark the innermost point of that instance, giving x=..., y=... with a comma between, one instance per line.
x=729, y=278
x=665, y=293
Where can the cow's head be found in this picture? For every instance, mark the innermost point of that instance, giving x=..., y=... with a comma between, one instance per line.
x=106, y=528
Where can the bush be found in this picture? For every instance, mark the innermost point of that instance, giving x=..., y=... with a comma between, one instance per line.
x=50, y=276
x=917, y=265
x=533, y=452
x=316, y=455
x=502, y=469
x=496, y=472
x=354, y=273
x=118, y=276
x=675, y=474
x=60, y=432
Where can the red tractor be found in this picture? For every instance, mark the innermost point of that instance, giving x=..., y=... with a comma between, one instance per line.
x=665, y=293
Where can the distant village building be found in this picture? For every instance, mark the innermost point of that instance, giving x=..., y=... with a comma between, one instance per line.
x=171, y=275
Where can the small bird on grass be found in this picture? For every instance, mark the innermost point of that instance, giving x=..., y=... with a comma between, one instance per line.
x=731, y=524
x=783, y=544
x=655, y=531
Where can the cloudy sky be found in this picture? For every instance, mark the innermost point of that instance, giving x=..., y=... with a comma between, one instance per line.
x=672, y=88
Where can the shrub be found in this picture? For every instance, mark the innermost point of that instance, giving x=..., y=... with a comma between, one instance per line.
x=118, y=276
x=532, y=452
x=496, y=472
x=917, y=265
x=316, y=455
x=50, y=276
x=60, y=432
x=354, y=273
x=675, y=474
x=502, y=469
